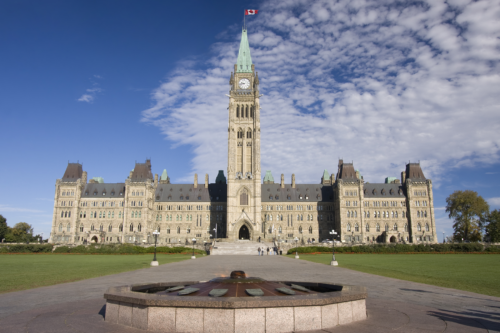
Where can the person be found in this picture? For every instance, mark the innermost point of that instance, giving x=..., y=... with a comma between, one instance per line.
x=268, y=250
x=259, y=251
x=259, y=239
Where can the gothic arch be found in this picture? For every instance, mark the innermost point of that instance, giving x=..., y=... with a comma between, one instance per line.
x=238, y=225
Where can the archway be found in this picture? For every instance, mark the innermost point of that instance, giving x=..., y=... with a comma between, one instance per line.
x=393, y=239
x=94, y=239
x=244, y=233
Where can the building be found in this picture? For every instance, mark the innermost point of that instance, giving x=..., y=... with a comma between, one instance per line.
x=242, y=206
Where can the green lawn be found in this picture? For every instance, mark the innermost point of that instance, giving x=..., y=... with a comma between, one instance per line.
x=26, y=271
x=479, y=273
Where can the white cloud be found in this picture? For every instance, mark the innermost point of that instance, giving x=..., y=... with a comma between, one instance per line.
x=494, y=201
x=368, y=81
x=7, y=208
x=86, y=98
x=90, y=94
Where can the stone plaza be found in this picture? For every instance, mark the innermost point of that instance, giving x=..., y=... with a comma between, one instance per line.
x=391, y=305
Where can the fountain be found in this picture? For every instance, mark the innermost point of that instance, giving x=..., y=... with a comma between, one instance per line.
x=235, y=304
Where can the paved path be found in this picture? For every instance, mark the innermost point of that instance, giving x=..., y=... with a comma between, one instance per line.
x=391, y=305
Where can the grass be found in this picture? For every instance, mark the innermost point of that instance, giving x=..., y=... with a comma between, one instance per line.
x=477, y=273
x=26, y=271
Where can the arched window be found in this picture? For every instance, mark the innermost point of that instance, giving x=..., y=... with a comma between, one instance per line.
x=246, y=112
x=310, y=230
x=395, y=228
x=348, y=214
x=348, y=227
x=240, y=134
x=302, y=217
x=367, y=214
x=367, y=227
x=62, y=214
x=81, y=227
x=178, y=230
x=355, y=213
x=386, y=228
x=419, y=227
x=378, y=227
x=396, y=214
x=249, y=134
x=243, y=199
x=110, y=228
x=139, y=228
x=418, y=213
x=60, y=227
x=101, y=228
x=356, y=227
x=406, y=227
x=392, y=214
x=425, y=214
x=65, y=214
x=121, y=228
x=280, y=230
x=131, y=227
x=157, y=217
x=300, y=229
x=237, y=111
x=426, y=227
x=378, y=214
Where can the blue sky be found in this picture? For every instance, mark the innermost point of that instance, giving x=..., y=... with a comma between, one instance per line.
x=108, y=83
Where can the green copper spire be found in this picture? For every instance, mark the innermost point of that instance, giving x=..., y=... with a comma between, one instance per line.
x=244, y=59
x=268, y=178
x=326, y=175
x=164, y=175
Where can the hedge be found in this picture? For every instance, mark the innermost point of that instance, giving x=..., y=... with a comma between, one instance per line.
x=401, y=248
x=94, y=249
x=26, y=248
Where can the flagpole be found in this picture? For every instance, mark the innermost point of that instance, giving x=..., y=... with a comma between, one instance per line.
x=244, y=24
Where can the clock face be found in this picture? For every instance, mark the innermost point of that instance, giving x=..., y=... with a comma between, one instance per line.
x=244, y=83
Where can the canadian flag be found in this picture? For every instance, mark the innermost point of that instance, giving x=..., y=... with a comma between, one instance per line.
x=251, y=11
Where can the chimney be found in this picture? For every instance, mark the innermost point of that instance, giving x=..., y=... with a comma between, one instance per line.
x=293, y=180
x=206, y=180
x=332, y=178
x=156, y=178
x=282, y=181
x=403, y=177
x=84, y=177
x=195, y=180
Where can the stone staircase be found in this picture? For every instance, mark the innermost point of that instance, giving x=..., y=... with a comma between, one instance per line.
x=239, y=247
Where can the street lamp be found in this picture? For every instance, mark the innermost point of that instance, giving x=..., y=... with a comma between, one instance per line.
x=296, y=248
x=194, y=241
x=333, y=262
x=154, y=262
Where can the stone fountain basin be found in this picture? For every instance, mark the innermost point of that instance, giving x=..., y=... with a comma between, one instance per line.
x=334, y=305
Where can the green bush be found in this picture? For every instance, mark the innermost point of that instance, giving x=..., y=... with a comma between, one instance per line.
x=122, y=249
x=26, y=248
x=401, y=248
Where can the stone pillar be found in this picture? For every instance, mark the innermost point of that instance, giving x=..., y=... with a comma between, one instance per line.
x=206, y=180
x=282, y=181
x=195, y=180
x=293, y=180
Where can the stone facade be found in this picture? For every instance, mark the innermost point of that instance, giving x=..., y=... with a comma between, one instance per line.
x=243, y=206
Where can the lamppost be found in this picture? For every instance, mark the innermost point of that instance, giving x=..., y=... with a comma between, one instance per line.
x=215, y=229
x=154, y=262
x=444, y=239
x=333, y=262
x=194, y=241
x=296, y=248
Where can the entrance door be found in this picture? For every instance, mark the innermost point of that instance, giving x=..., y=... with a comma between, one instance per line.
x=393, y=239
x=94, y=239
x=244, y=233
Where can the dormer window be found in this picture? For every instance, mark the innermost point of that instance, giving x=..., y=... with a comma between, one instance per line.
x=300, y=197
x=86, y=193
x=103, y=193
x=112, y=193
x=270, y=197
x=277, y=197
x=182, y=197
x=95, y=193
x=307, y=197
x=199, y=197
x=121, y=193
x=187, y=197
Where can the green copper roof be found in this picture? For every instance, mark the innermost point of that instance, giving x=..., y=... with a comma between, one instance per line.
x=221, y=179
x=164, y=175
x=244, y=59
x=99, y=180
x=325, y=174
x=268, y=177
x=389, y=180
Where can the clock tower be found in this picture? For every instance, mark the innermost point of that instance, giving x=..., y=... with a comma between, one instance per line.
x=243, y=163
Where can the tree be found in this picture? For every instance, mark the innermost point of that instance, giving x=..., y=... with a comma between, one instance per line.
x=4, y=228
x=23, y=232
x=468, y=210
x=492, y=221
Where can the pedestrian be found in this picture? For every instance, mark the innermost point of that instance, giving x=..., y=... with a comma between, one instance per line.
x=268, y=250
x=259, y=251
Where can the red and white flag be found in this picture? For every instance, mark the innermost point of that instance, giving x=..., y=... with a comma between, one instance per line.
x=251, y=11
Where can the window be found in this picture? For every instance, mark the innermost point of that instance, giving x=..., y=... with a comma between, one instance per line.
x=178, y=230
x=356, y=227
x=426, y=227
x=110, y=228
x=92, y=227
x=244, y=199
x=81, y=227
x=310, y=230
x=425, y=214
x=395, y=228
x=300, y=229
x=348, y=227
x=121, y=228
x=60, y=227
x=131, y=227
x=419, y=227
x=378, y=227
x=139, y=227
x=367, y=227
x=386, y=228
